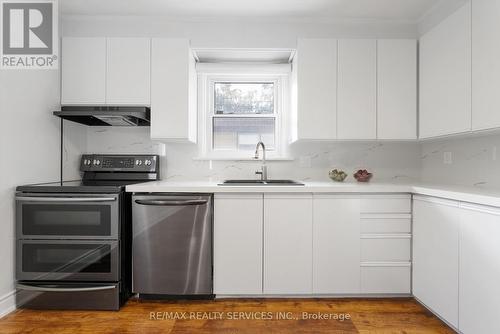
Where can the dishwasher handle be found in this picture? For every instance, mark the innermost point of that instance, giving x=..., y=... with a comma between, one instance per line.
x=160, y=202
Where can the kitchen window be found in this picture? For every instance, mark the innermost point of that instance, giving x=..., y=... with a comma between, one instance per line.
x=238, y=111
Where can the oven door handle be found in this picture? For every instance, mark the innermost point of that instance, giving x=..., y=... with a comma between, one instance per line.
x=56, y=289
x=66, y=199
x=159, y=202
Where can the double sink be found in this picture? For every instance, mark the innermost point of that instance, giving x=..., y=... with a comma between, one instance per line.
x=260, y=183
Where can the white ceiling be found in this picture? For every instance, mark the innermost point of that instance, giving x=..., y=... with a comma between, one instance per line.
x=401, y=10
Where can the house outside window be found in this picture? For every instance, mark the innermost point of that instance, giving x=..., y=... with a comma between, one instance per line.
x=237, y=110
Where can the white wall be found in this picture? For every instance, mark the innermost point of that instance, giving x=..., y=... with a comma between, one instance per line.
x=438, y=13
x=29, y=151
x=233, y=33
x=389, y=161
x=475, y=161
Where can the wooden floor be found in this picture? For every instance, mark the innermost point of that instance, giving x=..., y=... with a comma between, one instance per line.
x=366, y=316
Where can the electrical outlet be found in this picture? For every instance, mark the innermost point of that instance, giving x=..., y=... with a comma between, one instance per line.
x=447, y=159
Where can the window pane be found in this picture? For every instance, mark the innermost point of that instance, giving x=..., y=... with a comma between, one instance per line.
x=244, y=98
x=240, y=133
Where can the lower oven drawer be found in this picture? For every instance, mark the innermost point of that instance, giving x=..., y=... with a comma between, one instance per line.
x=67, y=260
x=72, y=296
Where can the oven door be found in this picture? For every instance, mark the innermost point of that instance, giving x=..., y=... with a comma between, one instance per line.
x=72, y=260
x=63, y=216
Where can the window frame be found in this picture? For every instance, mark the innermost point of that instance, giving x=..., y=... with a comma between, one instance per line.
x=206, y=107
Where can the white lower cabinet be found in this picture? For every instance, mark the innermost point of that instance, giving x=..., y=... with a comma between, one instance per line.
x=336, y=251
x=385, y=248
x=238, y=227
x=385, y=244
x=435, y=255
x=385, y=278
x=288, y=243
x=479, y=270
x=303, y=244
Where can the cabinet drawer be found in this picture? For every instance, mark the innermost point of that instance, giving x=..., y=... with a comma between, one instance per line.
x=385, y=248
x=386, y=279
x=386, y=223
x=386, y=204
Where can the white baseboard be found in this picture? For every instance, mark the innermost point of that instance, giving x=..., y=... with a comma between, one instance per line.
x=314, y=296
x=7, y=303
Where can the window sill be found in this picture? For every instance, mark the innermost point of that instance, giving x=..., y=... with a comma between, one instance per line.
x=203, y=158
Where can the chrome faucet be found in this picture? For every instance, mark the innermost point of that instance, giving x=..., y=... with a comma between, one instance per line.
x=263, y=169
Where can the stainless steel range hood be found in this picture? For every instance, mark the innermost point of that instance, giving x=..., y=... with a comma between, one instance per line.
x=106, y=115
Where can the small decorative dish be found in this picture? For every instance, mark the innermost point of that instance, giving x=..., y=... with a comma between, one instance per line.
x=363, y=175
x=337, y=175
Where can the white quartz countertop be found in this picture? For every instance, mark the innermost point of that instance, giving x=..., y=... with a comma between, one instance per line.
x=465, y=194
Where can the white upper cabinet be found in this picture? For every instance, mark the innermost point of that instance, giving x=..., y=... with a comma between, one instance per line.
x=354, y=89
x=436, y=225
x=238, y=225
x=83, y=67
x=287, y=243
x=128, y=71
x=109, y=71
x=397, y=89
x=173, y=90
x=315, y=67
x=479, y=270
x=485, y=64
x=336, y=244
x=445, y=76
x=357, y=89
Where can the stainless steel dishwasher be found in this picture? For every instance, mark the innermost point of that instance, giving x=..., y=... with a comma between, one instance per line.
x=172, y=245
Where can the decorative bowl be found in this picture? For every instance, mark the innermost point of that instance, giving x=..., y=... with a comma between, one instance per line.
x=337, y=175
x=363, y=175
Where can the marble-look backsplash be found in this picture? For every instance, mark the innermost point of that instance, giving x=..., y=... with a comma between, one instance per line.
x=474, y=161
x=389, y=161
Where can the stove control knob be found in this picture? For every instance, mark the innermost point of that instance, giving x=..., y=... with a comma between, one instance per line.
x=147, y=162
x=98, y=162
x=138, y=162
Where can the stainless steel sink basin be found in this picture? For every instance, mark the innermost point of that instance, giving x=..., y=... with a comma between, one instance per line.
x=260, y=183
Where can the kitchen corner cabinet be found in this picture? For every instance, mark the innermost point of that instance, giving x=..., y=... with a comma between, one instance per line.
x=287, y=243
x=485, y=65
x=479, y=269
x=83, y=71
x=445, y=76
x=105, y=71
x=315, y=69
x=357, y=89
x=397, y=89
x=238, y=227
x=173, y=91
x=128, y=71
x=436, y=256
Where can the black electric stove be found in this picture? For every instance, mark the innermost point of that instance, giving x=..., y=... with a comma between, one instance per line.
x=74, y=239
x=104, y=174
